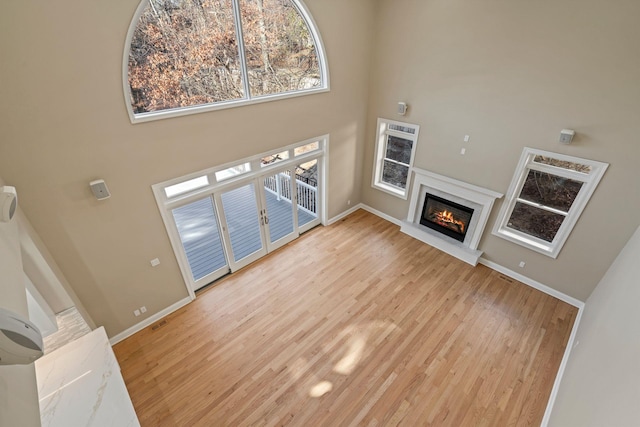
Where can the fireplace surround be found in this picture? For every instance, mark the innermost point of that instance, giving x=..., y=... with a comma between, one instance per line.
x=456, y=231
x=447, y=217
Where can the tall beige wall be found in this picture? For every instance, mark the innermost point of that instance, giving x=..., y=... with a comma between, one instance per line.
x=64, y=123
x=601, y=384
x=512, y=74
x=44, y=273
x=18, y=388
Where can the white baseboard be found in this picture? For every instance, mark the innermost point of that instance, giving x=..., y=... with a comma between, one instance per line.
x=517, y=276
x=344, y=214
x=561, y=368
x=542, y=288
x=149, y=320
x=368, y=209
x=574, y=331
x=381, y=215
x=534, y=284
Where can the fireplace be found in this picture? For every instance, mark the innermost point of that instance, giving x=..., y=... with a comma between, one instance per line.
x=447, y=217
x=448, y=214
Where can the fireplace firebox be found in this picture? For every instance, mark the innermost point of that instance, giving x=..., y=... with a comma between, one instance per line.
x=446, y=217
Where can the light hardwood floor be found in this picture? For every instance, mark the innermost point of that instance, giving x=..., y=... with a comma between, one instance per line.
x=352, y=324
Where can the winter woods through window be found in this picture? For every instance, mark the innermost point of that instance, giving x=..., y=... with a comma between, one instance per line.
x=187, y=53
x=545, y=199
x=395, y=149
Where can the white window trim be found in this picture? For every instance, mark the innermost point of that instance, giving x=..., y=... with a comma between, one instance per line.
x=381, y=138
x=590, y=182
x=248, y=100
x=256, y=170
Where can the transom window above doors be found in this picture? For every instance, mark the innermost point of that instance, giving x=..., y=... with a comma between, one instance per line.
x=189, y=56
x=205, y=181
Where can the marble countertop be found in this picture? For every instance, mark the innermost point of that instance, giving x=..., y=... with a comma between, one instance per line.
x=80, y=385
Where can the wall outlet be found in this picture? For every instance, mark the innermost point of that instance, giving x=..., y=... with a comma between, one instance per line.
x=143, y=309
x=463, y=151
x=522, y=264
x=466, y=138
x=136, y=313
x=155, y=262
x=348, y=202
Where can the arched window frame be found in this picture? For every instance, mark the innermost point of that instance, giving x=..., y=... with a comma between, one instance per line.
x=248, y=99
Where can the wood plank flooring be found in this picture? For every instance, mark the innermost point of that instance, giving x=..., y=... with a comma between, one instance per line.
x=352, y=324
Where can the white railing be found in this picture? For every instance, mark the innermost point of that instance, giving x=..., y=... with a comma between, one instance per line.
x=280, y=186
x=307, y=197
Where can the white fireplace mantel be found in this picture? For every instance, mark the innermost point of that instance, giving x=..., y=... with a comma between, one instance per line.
x=480, y=199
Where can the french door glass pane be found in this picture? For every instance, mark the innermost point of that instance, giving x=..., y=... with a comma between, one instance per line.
x=277, y=191
x=198, y=229
x=243, y=222
x=307, y=183
x=535, y=221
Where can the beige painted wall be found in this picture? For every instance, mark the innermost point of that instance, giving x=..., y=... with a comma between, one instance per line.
x=64, y=123
x=41, y=268
x=512, y=74
x=18, y=388
x=601, y=384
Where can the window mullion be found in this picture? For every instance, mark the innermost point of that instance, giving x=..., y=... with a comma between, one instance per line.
x=398, y=134
x=395, y=161
x=241, y=52
x=541, y=206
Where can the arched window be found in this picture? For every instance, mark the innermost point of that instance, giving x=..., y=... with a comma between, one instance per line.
x=187, y=56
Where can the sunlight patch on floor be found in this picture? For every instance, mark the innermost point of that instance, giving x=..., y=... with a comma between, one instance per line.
x=320, y=389
x=348, y=363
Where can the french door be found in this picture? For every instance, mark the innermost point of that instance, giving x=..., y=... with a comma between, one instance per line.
x=202, y=246
x=240, y=223
x=278, y=192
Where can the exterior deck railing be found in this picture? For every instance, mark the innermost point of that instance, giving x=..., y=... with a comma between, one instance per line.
x=280, y=185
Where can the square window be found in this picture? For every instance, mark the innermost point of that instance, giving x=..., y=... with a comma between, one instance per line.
x=395, y=174
x=535, y=221
x=307, y=148
x=274, y=158
x=399, y=149
x=186, y=186
x=550, y=190
x=233, y=172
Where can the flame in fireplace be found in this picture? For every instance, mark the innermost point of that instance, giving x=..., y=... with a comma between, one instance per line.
x=447, y=217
